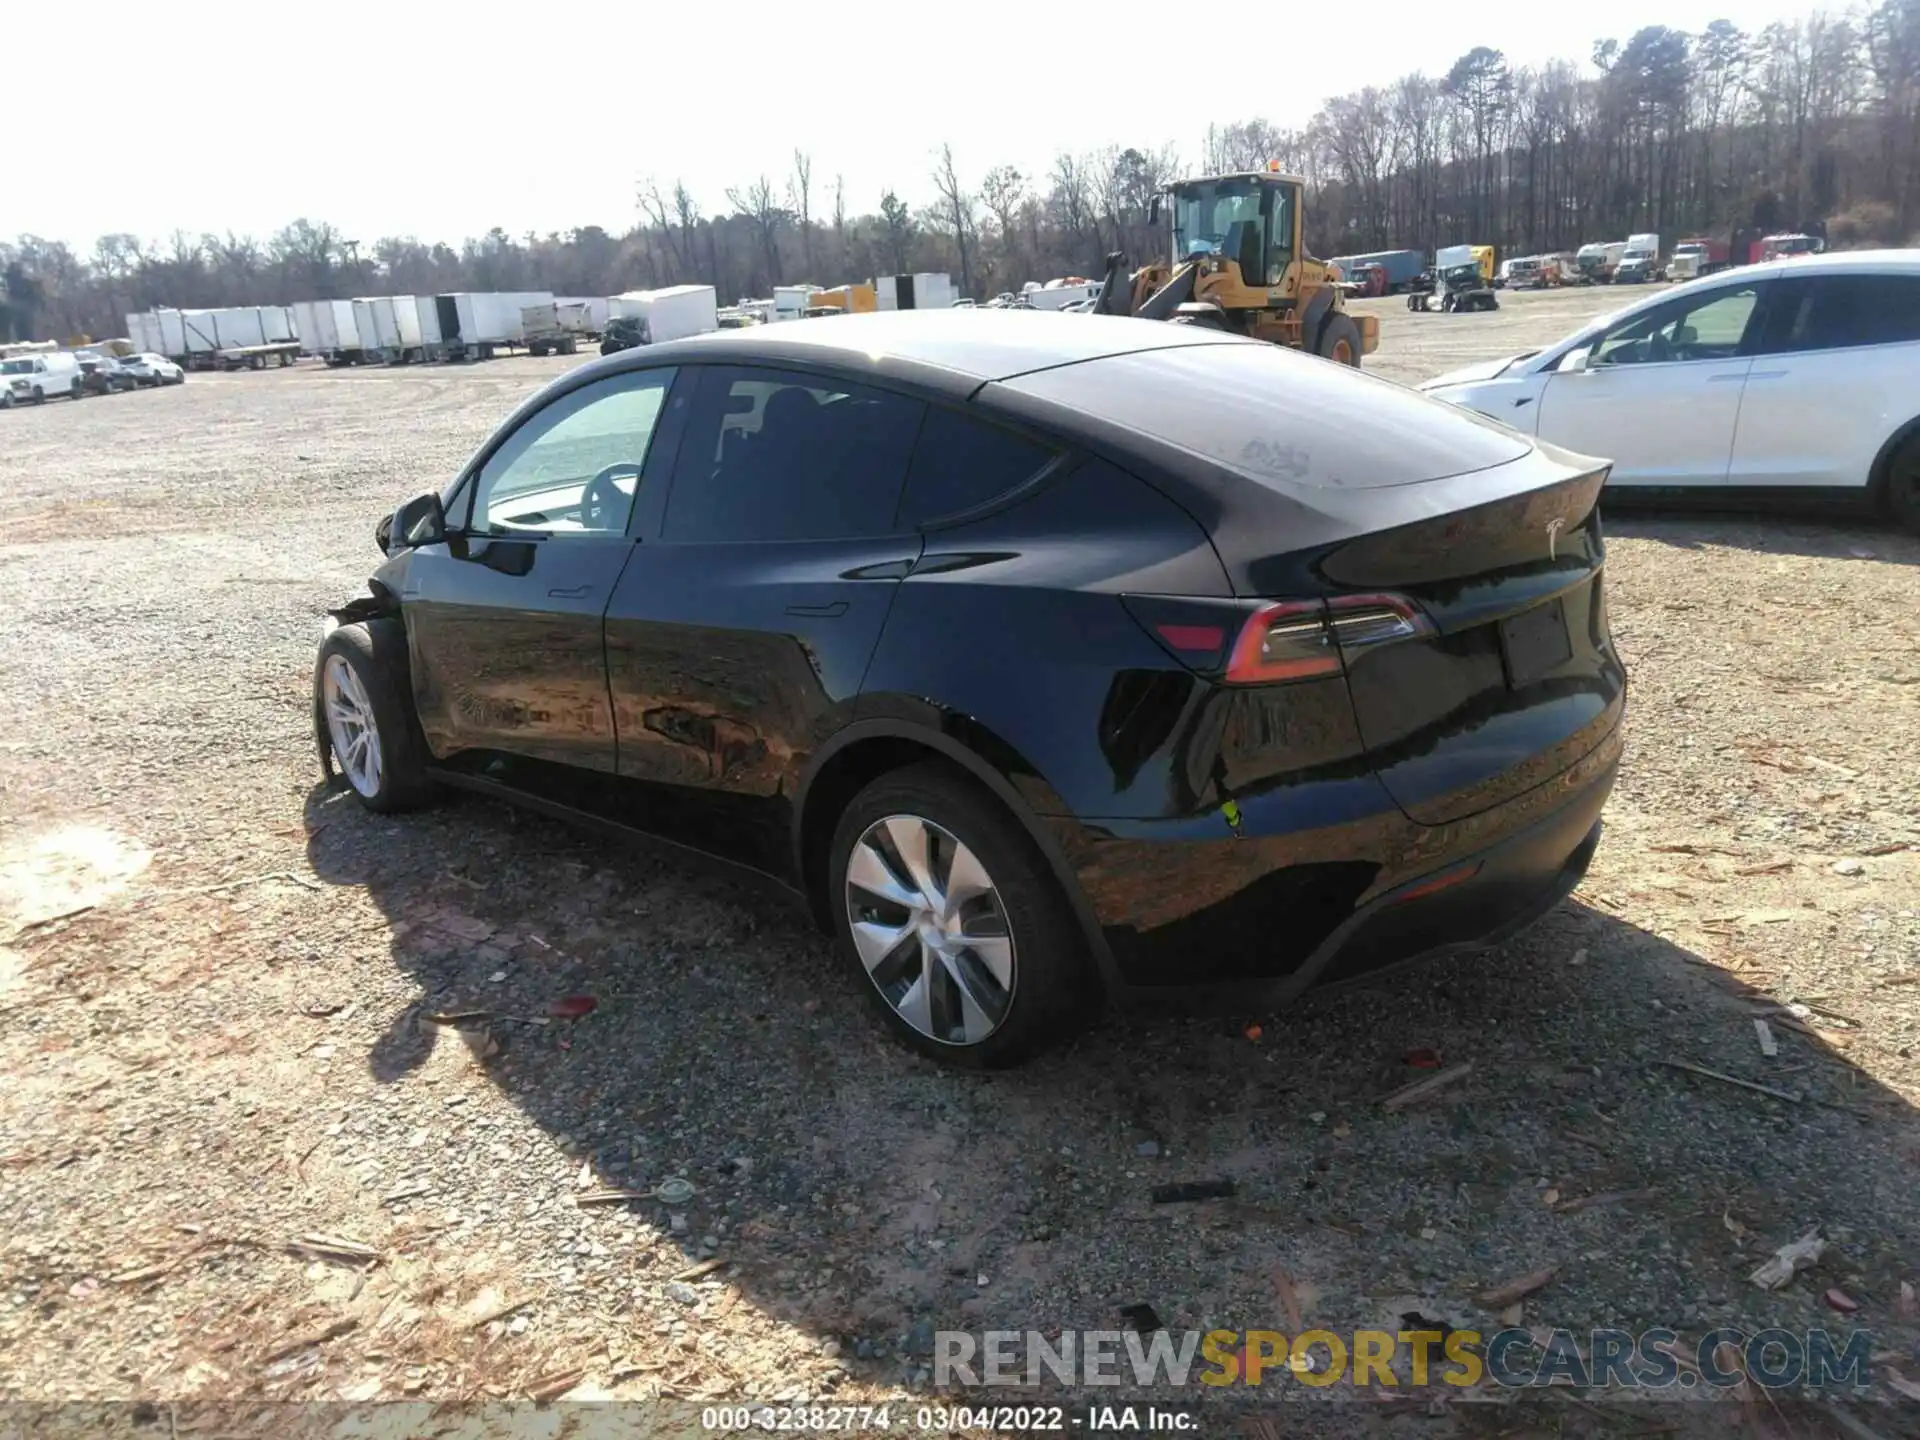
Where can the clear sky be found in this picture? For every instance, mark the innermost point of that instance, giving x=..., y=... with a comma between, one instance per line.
x=442, y=120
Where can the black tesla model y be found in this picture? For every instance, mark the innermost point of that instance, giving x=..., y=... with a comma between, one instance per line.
x=1048, y=658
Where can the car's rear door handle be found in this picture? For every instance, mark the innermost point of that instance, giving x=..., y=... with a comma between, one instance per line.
x=1719, y=379
x=1768, y=375
x=578, y=592
x=823, y=612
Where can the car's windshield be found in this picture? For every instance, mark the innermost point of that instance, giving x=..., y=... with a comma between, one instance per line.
x=1205, y=213
x=16, y=367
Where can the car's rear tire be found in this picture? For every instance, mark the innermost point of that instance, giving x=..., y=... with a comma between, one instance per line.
x=1340, y=340
x=902, y=849
x=1900, y=492
x=364, y=705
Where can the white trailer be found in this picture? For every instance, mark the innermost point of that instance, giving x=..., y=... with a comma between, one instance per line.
x=672, y=313
x=927, y=291
x=408, y=319
x=427, y=317
x=474, y=324
x=1058, y=297
x=144, y=331
x=544, y=331
x=276, y=323
x=595, y=311
x=223, y=339
x=328, y=329
x=790, y=302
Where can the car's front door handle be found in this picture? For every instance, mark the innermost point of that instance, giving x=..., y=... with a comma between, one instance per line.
x=1719, y=379
x=578, y=592
x=822, y=612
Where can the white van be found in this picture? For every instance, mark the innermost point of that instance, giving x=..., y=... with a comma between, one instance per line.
x=38, y=378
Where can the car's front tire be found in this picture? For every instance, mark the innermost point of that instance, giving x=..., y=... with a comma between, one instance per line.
x=1901, y=495
x=953, y=922
x=362, y=700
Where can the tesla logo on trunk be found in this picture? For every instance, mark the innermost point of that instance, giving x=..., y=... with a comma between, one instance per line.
x=1553, y=536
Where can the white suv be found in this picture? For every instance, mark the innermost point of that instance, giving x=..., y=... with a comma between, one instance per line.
x=153, y=370
x=38, y=378
x=1792, y=381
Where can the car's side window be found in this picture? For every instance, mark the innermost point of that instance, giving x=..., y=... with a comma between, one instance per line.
x=788, y=455
x=572, y=468
x=1838, y=312
x=960, y=463
x=1701, y=327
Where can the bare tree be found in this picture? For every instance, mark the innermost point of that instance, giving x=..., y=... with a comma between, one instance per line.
x=764, y=216
x=897, y=216
x=958, y=207
x=800, y=198
x=842, y=256
x=1003, y=190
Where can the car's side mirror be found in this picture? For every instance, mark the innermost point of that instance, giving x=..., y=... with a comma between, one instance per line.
x=421, y=521
x=1576, y=362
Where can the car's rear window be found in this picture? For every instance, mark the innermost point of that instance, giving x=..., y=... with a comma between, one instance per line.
x=1278, y=417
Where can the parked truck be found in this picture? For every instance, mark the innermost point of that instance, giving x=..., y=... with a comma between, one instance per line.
x=474, y=324
x=1460, y=284
x=1595, y=263
x=1403, y=267
x=1640, y=261
x=545, y=329
x=653, y=317
x=1777, y=247
x=1697, y=256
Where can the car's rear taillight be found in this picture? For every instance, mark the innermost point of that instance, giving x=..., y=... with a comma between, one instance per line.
x=1302, y=639
x=1276, y=642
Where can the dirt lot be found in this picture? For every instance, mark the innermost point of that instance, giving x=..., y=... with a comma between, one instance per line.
x=237, y=1159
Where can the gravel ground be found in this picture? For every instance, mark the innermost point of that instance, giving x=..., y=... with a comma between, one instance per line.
x=238, y=1157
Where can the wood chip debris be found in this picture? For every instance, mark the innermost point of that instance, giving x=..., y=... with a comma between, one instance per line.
x=1501, y=1296
x=705, y=1267
x=1793, y=1097
x=334, y=1247
x=307, y=1342
x=553, y=1386
x=1289, y=1300
x=1769, y=1047
x=1781, y=1266
x=1606, y=1197
x=610, y=1196
x=1426, y=1086
x=500, y=1312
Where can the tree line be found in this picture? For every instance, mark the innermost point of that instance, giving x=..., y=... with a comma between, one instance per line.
x=1812, y=124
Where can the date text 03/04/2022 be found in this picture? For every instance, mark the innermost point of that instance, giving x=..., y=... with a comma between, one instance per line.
x=945, y=1419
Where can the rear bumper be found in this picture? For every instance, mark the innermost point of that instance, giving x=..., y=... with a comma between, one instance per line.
x=1250, y=924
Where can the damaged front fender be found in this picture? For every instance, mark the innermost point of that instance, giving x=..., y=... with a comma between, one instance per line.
x=381, y=602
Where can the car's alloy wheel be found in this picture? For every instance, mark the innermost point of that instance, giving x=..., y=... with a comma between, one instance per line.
x=953, y=920
x=353, y=726
x=363, y=714
x=931, y=929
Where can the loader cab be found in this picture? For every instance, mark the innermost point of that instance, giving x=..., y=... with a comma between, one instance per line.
x=1252, y=220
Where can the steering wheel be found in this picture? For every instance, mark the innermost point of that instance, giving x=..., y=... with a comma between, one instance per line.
x=600, y=502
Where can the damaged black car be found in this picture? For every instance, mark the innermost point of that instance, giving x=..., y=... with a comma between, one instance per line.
x=1045, y=662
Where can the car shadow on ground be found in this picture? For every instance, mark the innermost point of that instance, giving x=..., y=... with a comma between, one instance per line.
x=871, y=1198
x=1807, y=532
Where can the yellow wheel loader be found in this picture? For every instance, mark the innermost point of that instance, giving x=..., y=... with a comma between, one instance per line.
x=1237, y=264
